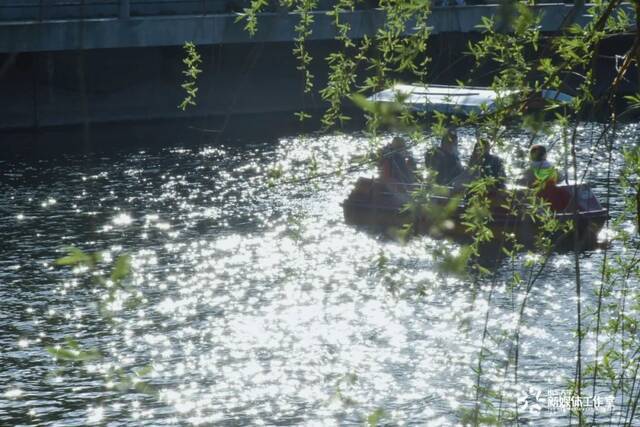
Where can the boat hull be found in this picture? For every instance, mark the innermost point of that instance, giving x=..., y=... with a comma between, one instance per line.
x=373, y=203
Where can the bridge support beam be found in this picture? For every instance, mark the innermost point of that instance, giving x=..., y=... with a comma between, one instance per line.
x=125, y=9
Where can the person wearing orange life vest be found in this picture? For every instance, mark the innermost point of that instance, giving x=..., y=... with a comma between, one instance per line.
x=543, y=176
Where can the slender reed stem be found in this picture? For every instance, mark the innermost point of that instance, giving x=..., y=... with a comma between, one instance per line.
x=576, y=258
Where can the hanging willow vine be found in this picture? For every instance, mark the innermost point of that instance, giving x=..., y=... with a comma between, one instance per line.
x=523, y=59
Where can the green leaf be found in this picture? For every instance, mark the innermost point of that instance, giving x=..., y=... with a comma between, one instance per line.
x=76, y=257
x=73, y=353
x=146, y=388
x=145, y=370
x=374, y=417
x=121, y=268
x=302, y=116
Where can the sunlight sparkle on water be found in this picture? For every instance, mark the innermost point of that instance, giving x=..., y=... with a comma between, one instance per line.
x=13, y=393
x=122, y=219
x=95, y=414
x=259, y=305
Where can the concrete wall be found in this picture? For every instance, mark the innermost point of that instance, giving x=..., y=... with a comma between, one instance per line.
x=174, y=30
x=38, y=10
x=62, y=88
x=168, y=31
x=47, y=89
x=72, y=72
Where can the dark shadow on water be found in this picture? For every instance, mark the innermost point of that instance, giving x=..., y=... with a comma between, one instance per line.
x=155, y=135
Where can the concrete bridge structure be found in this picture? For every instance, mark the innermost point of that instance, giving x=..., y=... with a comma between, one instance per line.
x=58, y=25
x=68, y=62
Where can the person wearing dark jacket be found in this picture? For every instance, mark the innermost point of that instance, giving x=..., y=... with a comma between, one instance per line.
x=444, y=160
x=485, y=165
x=396, y=163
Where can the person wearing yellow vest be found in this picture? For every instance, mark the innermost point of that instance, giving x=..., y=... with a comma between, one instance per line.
x=540, y=170
x=543, y=176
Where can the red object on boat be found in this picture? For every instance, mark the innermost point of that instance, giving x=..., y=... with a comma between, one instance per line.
x=374, y=202
x=558, y=197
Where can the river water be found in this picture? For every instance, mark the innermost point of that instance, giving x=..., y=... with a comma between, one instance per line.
x=259, y=305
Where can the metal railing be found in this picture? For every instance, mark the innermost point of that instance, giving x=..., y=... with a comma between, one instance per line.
x=42, y=10
x=39, y=10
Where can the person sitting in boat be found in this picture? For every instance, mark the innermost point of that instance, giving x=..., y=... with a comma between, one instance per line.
x=543, y=177
x=483, y=164
x=540, y=170
x=444, y=160
x=396, y=163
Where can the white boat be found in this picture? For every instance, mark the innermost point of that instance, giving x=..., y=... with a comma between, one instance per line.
x=454, y=99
